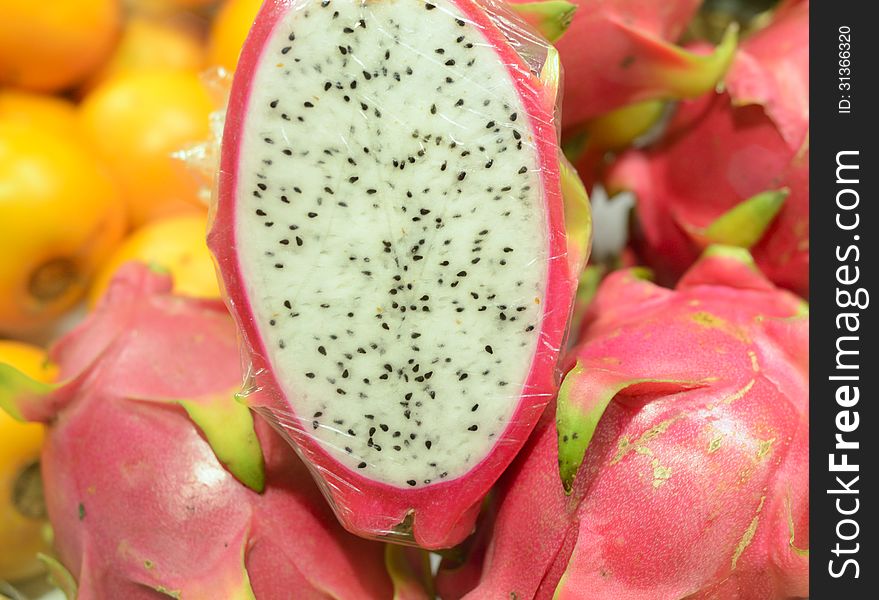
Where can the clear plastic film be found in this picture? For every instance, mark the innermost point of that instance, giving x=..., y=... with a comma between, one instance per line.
x=399, y=239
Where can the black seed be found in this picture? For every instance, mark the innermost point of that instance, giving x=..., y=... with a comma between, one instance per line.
x=450, y=62
x=428, y=444
x=473, y=409
x=523, y=170
x=428, y=6
x=473, y=428
x=412, y=482
x=361, y=465
x=285, y=49
x=462, y=175
x=489, y=350
x=322, y=350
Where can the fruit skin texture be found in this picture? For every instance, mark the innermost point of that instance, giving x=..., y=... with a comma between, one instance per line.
x=128, y=476
x=722, y=149
x=175, y=245
x=694, y=483
x=61, y=215
x=48, y=49
x=20, y=444
x=617, y=52
x=229, y=30
x=135, y=122
x=442, y=514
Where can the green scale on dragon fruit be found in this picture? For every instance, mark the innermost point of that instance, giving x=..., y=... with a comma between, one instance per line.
x=395, y=246
x=158, y=482
x=675, y=464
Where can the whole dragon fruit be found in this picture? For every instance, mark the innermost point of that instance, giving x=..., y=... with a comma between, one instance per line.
x=733, y=167
x=620, y=52
x=139, y=499
x=677, y=462
x=393, y=241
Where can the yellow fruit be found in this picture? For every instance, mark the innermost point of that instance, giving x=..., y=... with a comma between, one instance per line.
x=152, y=44
x=165, y=6
x=229, y=31
x=60, y=215
x=51, y=112
x=22, y=510
x=52, y=46
x=136, y=122
x=175, y=245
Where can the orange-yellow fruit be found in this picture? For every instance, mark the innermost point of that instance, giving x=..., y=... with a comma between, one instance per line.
x=229, y=31
x=152, y=44
x=50, y=112
x=175, y=245
x=61, y=216
x=154, y=6
x=22, y=511
x=50, y=46
x=135, y=122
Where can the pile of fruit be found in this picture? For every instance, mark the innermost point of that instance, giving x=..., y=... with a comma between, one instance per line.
x=296, y=299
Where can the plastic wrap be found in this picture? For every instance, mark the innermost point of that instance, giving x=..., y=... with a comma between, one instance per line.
x=405, y=373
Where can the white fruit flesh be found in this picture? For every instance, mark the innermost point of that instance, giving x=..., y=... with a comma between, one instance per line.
x=392, y=235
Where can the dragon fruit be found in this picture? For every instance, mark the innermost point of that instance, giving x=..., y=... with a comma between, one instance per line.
x=620, y=52
x=141, y=505
x=676, y=464
x=391, y=233
x=733, y=167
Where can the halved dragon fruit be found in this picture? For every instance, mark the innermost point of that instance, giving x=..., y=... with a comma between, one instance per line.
x=160, y=484
x=677, y=462
x=391, y=234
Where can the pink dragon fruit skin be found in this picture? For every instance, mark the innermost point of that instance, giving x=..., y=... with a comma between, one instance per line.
x=722, y=150
x=694, y=483
x=431, y=513
x=140, y=504
x=618, y=52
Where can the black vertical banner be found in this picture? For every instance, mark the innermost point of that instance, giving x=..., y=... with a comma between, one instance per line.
x=844, y=432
